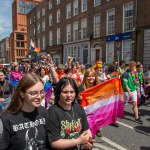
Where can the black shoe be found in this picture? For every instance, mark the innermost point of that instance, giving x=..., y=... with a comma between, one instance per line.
x=139, y=121
x=99, y=134
x=115, y=125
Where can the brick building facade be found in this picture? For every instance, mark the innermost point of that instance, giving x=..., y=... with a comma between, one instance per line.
x=92, y=29
x=18, y=37
x=5, y=53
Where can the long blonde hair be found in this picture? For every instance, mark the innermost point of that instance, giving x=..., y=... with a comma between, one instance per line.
x=88, y=72
x=26, y=82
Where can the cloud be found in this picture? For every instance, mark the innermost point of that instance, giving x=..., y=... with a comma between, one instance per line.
x=5, y=18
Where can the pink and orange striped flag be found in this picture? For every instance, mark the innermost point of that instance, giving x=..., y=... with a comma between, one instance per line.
x=103, y=103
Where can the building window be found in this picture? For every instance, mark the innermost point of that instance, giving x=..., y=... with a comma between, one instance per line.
x=43, y=42
x=43, y=11
x=38, y=15
x=110, y=52
x=75, y=7
x=57, y=2
x=43, y=25
x=50, y=20
x=58, y=15
x=111, y=21
x=83, y=5
x=58, y=36
x=38, y=28
x=75, y=31
x=50, y=38
x=83, y=28
x=38, y=43
x=127, y=50
x=128, y=17
x=68, y=10
x=30, y=21
x=97, y=3
x=97, y=25
x=19, y=36
x=50, y=4
x=68, y=33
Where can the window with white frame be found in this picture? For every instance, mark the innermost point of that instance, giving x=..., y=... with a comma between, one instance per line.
x=58, y=36
x=30, y=21
x=84, y=28
x=43, y=25
x=43, y=11
x=68, y=33
x=50, y=38
x=110, y=52
x=34, y=31
x=43, y=40
x=38, y=15
x=50, y=20
x=68, y=11
x=126, y=50
x=83, y=5
x=38, y=43
x=111, y=21
x=38, y=27
x=57, y=2
x=75, y=31
x=50, y=4
x=97, y=2
x=75, y=7
x=97, y=25
x=71, y=51
x=58, y=15
x=128, y=17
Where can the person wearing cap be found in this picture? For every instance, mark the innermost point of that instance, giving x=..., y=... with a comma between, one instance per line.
x=99, y=71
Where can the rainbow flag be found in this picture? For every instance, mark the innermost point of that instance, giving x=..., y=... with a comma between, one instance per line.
x=103, y=103
x=34, y=48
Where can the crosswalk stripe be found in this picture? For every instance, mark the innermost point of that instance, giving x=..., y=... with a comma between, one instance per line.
x=101, y=146
x=140, y=131
x=113, y=143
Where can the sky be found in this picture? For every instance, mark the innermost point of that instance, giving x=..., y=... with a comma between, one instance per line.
x=5, y=18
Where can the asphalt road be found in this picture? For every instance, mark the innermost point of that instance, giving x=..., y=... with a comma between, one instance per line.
x=129, y=135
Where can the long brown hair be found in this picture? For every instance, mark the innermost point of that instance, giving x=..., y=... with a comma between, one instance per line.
x=87, y=73
x=26, y=82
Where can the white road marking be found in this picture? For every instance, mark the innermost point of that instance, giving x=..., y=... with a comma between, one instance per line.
x=98, y=145
x=140, y=131
x=125, y=125
x=113, y=143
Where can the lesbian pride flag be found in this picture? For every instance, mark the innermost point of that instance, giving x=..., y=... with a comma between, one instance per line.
x=103, y=103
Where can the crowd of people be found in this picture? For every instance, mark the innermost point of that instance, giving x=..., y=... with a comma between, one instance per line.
x=40, y=102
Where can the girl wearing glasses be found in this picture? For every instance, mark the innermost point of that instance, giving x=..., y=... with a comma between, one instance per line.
x=24, y=121
x=68, y=127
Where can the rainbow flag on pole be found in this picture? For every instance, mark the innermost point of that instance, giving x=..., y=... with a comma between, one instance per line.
x=34, y=48
x=103, y=103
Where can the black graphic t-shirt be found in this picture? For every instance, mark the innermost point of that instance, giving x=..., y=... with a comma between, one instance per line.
x=64, y=124
x=25, y=131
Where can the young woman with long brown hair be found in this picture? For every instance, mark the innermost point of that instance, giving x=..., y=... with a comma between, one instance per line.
x=24, y=121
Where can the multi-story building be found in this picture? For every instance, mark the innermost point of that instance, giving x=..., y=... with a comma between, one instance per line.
x=18, y=37
x=5, y=51
x=109, y=30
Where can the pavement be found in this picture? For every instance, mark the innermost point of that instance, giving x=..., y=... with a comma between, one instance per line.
x=129, y=135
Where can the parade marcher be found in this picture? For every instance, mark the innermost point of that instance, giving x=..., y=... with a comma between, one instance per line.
x=99, y=71
x=60, y=71
x=16, y=75
x=141, y=84
x=131, y=88
x=6, y=89
x=74, y=74
x=122, y=68
x=147, y=82
x=68, y=126
x=25, y=121
x=112, y=72
x=90, y=79
x=43, y=75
